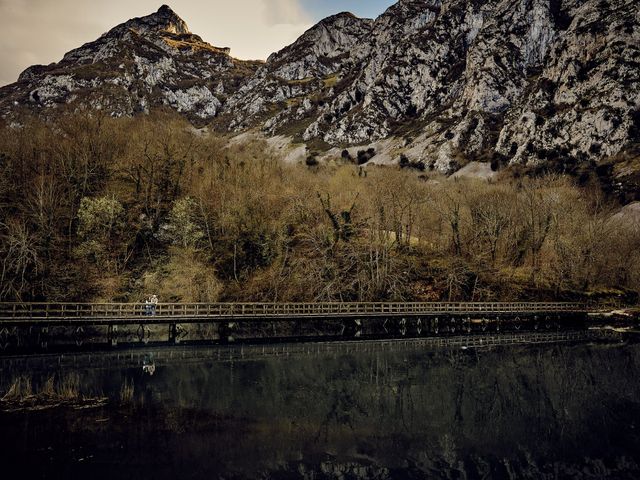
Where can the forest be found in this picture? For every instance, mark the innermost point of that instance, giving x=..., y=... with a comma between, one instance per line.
x=94, y=208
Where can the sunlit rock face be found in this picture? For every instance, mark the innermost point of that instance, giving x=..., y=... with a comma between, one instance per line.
x=535, y=82
x=585, y=101
x=288, y=90
x=526, y=81
x=146, y=62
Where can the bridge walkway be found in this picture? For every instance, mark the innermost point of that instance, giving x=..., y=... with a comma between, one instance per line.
x=21, y=314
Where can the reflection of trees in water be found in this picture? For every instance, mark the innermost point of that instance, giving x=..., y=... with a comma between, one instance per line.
x=447, y=411
x=344, y=411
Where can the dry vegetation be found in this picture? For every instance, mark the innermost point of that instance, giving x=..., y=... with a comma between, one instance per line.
x=25, y=393
x=96, y=208
x=126, y=391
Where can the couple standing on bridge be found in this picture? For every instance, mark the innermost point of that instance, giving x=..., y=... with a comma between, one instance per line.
x=150, y=305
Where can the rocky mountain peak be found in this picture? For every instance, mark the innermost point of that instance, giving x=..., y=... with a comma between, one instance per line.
x=164, y=20
x=148, y=62
x=344, y=16
x=329, y=38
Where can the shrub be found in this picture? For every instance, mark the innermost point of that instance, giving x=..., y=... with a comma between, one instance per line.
x=185, y=225
x=101, y=224
x=365, y=155
x=416, y=165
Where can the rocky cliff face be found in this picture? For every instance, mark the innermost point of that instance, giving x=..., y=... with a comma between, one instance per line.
x=522, y=81
x=297, y=81
x=143, y=63
x=447, y=81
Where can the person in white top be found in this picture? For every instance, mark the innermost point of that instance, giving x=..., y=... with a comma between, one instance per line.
x=154, y=304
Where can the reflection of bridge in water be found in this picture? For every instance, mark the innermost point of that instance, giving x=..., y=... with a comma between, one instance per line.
x=46, y=324
x=166, y=356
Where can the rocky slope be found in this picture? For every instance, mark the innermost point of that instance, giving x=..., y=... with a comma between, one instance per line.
x=526, y=81
x=296, y=80
x=443, y=82
x=145, y=62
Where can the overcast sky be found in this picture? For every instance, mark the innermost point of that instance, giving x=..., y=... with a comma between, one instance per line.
x=41, y=31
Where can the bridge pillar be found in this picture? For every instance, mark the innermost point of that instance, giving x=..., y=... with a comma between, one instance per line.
x=44, y=337
x=547, y=323
x=402, y=326
x=176, y=332
x=452, y=325
x=78, y=335
x=352, y=327
x=38, y=336
x=435, y=325
x=143, y=333
x=112, y=335
x=7, y=335
x=225, y=331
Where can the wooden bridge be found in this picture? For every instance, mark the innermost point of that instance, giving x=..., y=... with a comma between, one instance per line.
x=46, y=324
x=128, y=313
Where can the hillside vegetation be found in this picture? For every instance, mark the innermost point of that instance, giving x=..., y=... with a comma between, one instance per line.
x=95, y=208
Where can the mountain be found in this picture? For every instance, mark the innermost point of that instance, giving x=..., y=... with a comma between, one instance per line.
x=143, y=63
x=535, y=82
x=521, y=81
x=295, y=81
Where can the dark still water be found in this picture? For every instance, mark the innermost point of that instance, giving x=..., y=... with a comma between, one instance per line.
x=545, y=411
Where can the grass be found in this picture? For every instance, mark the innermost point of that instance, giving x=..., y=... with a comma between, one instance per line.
x=20, y=388
x=303, y=81
x=193, y=44
x=56, y=390
x=126, y=391
x=293, y=102
x=330, y=81
x=69, y=387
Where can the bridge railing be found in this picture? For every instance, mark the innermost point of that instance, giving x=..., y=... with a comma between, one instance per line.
x=275, y=310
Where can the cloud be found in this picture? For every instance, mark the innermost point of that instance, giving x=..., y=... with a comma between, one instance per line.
x=42, y=31
x=285, y=12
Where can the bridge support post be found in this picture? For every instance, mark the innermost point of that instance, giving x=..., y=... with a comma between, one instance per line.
x=352, y=327
x=112, y=335
x=402, y=326
x=78, y=335
x=435, y=325
x=176, y=332
x=4, y=334
x=452, y=326
x=38, y=336
x=143, y=333
x=225, y=331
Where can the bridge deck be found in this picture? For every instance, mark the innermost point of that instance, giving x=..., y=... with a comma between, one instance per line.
x=113, y=313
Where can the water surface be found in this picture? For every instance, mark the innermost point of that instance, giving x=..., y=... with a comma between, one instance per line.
x=544, y=411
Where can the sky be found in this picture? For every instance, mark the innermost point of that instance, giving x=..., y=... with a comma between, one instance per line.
x=42, y=31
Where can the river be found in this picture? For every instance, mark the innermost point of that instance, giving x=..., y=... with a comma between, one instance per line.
x=402, y=411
